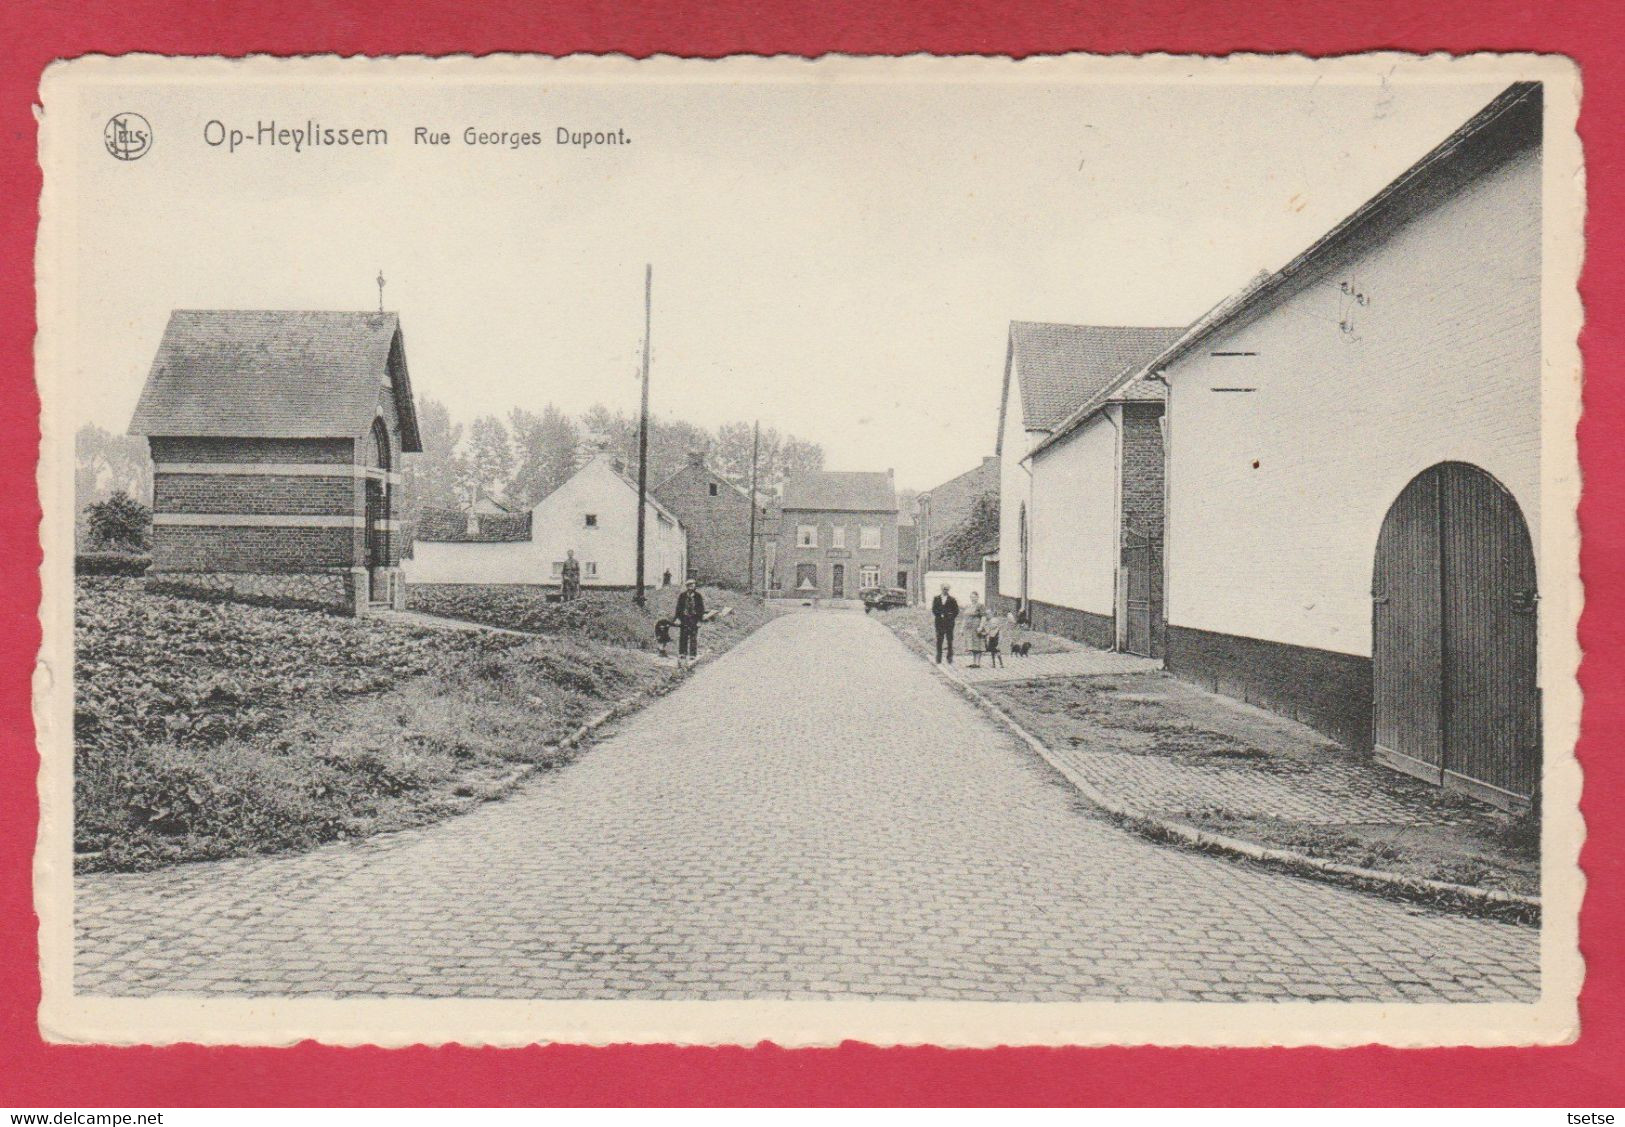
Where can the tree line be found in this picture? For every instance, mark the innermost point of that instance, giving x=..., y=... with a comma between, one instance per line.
x=516, y=459
x=520, y=459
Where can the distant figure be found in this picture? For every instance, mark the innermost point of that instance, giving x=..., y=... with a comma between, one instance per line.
x=663, y=634
x=665, y=580
x=690, y=612
x=944, y=613
x=975, y=625
x=571, y=576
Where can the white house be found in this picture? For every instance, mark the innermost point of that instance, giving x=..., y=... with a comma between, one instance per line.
x=1079, y=458
x=1354, y=472
x=594, y=514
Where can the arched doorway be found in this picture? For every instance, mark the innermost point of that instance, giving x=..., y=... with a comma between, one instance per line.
x=378, y=516
x=1454, y=637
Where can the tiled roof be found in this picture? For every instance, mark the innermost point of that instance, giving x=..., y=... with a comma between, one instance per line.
x=1059, y=367
x=257, y=373
x=840, y=492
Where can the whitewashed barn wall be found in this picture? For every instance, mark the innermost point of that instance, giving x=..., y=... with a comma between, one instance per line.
x=1014, y=489
x=1444, y=364
x=1074, y=540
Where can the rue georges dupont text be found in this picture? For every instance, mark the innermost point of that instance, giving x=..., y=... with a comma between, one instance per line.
x=309, y=135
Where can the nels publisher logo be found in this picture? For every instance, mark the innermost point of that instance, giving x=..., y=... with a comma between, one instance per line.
x=127, y=136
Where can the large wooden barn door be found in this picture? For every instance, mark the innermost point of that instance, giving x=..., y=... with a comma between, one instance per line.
x=1453, y=636
x=1136, y=564
x=1491, y=701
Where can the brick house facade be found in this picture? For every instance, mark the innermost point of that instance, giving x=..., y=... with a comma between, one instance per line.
x=276, y=440
x=837, y=534
x=716, y=513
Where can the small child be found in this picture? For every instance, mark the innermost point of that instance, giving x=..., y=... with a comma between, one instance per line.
x=663, y=634
x=990, y=637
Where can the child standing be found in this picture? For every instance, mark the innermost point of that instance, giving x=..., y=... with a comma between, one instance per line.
x=995, y=624
x=663, y=634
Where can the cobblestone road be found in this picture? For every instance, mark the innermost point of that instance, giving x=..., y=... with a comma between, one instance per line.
x=814, y=815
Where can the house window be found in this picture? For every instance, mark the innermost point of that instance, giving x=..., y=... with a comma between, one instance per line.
x=713, y=489
x=902, y=579
x=806, y=577
x=838, y=537
x=871, y=537
x=869, y=577
x=589, y=568
x=806, y=536
x=592, y=520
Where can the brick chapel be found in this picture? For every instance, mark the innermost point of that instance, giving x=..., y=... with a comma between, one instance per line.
x=276, y=440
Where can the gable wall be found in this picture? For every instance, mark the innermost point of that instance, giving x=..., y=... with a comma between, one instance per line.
x=1014, y=490
x=718, y=527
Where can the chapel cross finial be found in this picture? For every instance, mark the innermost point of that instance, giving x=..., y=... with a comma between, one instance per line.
x=380, y=291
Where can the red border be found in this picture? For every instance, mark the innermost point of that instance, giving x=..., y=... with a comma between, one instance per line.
x=1589, y=1072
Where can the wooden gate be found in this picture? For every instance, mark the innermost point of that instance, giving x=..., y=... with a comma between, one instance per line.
x=1137, y=562
x=1454, y=637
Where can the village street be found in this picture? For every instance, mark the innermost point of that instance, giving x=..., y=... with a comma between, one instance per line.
x=815, y=814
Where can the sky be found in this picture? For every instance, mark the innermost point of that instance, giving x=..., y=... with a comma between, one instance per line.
x=840, y=259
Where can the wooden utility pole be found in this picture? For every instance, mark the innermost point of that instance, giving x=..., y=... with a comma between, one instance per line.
x=643, y=427
x=755, y=446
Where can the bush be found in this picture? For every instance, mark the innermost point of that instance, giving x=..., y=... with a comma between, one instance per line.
x=110, y=563
x=118, y=522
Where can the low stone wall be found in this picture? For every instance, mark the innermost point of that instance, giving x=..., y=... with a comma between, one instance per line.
x=334, y=591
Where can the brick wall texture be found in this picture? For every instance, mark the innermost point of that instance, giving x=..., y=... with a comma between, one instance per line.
x=718, y=526
x=232, y=550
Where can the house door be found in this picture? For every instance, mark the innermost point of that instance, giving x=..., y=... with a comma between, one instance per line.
x=837, y=581
x=1454, y=637
x=377, y=542
x=1136, y=606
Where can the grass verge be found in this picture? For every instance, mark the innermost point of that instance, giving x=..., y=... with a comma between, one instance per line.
x=206, y=730
x=1205, y=761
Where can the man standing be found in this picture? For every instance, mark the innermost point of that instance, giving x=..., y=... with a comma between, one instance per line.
x=944, y=612
x=571, y=576
x=690, y=610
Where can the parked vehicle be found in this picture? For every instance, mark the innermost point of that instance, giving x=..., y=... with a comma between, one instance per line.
x=884, y=598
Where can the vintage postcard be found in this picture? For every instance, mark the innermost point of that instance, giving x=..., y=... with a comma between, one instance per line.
x=935, y=550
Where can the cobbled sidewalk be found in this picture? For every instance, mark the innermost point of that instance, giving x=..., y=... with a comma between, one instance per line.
x=814, y=815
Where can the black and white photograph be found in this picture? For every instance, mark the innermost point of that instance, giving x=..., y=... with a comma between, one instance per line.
x=953, y=551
